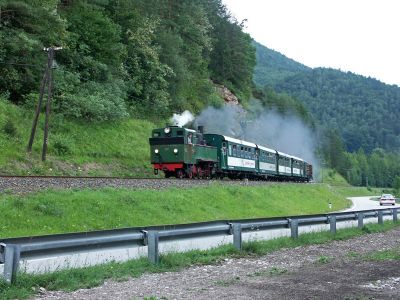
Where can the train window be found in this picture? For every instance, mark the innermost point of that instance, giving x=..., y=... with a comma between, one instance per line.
x=234, y=150
x=179, y=133
x=230, y=149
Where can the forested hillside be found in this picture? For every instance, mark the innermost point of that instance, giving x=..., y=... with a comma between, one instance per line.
x=122, y=57
x=273, y=67
x=364, y=111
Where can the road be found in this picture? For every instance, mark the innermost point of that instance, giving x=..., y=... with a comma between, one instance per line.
x=364, y=203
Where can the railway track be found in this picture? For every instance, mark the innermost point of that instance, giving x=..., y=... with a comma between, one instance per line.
x=27, y=184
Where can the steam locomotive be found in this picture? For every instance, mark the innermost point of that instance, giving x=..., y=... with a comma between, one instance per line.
x=186, y=153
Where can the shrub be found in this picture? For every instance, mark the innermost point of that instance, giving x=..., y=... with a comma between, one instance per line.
x=90, y=100
x=49, y=208
x=62, y=145
x=10, y=129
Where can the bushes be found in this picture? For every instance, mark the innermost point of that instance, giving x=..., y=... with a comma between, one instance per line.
x=10, y=129
x=91, y=100
x=62, y=146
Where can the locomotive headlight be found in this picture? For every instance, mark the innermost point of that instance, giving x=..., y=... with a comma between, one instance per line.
x=175, y=151
x=167, y=130
x=156, y=151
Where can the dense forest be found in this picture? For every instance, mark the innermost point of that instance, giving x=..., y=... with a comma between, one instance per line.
x=123, y=57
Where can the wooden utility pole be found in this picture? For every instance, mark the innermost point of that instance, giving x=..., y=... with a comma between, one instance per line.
x=47, y=79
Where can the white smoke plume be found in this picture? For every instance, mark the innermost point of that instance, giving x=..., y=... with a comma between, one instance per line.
x=285, y=133
x=182, y=119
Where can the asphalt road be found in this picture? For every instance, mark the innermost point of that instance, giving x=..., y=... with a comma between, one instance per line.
x=365, y=203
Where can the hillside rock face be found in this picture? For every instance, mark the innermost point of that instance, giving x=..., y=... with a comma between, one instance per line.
x=226, y=94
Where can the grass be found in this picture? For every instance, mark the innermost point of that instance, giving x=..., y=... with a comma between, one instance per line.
x=332, y=177
x=117, y=148
x=274, y=271
x=393, y=254
x=340, y=185
x=324, y=259
x=79, y=210
x=228, y=282
x=70, y=280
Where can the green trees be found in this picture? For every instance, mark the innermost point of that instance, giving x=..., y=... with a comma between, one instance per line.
x=364, y=110
x=24, y=30
x=233, y=59
x=143, y=57
x=90, y=78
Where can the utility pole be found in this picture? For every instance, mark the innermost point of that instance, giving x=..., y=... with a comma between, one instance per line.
x=47, y=79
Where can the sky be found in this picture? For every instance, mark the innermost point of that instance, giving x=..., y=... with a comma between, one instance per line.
x=361, y=36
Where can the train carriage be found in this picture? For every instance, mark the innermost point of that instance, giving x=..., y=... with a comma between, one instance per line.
x=297, y=167
x=284, y=165
x=236, y=158
x=267, y=162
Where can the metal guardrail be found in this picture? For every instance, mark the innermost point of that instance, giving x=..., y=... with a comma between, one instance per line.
x=12, y=250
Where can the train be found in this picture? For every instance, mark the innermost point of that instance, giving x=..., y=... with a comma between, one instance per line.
x=187, y=153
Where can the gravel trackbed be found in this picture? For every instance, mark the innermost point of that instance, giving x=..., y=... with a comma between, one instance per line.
x=22, y=185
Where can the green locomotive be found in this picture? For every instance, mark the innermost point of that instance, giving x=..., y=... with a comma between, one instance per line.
x=182, y=152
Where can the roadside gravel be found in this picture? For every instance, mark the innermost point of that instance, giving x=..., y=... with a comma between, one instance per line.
x=333, y=270
x=21, y=185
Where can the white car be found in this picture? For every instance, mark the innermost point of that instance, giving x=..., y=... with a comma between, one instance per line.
x=387, y=199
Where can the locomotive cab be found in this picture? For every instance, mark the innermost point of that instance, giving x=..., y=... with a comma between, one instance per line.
x=181, y=152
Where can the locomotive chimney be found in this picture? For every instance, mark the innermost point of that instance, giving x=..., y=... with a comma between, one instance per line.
x=200, y=129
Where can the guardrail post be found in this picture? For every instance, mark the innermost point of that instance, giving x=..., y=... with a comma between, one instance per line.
x=11, y=262
x=152, y=244
x=394, y=214
x=294, y=228
x=332, y=223
x=360, y=220
x=237, y=235
x=380, y=217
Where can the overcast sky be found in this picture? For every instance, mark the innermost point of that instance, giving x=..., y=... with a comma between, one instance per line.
x=361, y=36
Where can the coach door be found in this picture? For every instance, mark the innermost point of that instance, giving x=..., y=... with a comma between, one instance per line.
x=224, y=154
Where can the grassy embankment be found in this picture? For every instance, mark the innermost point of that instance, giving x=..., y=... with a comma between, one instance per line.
x=340, y=186
x=75, y=148
x=85, y=210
